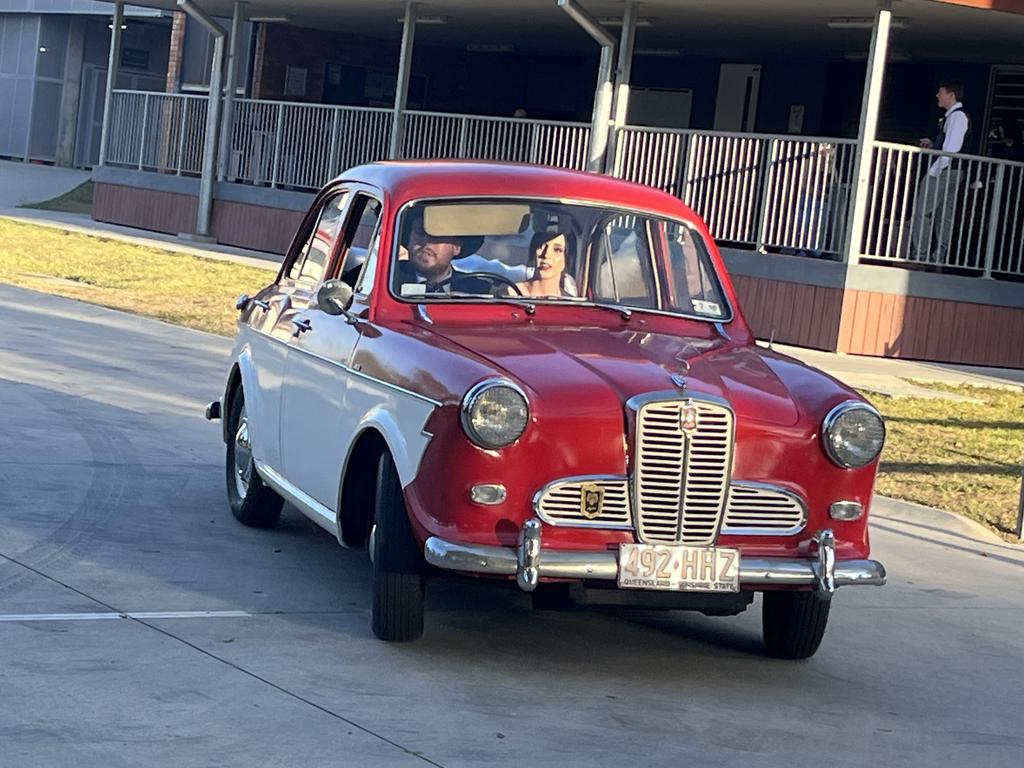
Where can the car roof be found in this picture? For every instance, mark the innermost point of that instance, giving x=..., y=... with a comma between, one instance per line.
x=423, y=179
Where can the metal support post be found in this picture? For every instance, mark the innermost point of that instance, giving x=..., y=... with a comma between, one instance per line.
x=993, y=220
x=332, y=153
x=402, y=88
x=765, y=171
x=209, y=165
x=623, y=73
x=603, y=94
x=231, y=85
x=113, y=61
x=142, y=131
x=866, y=139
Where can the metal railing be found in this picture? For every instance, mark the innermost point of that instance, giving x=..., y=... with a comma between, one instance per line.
x=153, y=131
x=949, y=210
x=756, y=190
x=543, y=142
x=759, y=190
x=302, y=146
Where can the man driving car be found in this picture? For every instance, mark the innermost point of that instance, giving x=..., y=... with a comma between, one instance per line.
x=429, y=264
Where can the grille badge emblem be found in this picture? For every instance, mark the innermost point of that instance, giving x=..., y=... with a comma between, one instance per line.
x=591, y=500
x=688, y=417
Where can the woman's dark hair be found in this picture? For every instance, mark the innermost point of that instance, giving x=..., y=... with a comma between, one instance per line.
x=539, y=238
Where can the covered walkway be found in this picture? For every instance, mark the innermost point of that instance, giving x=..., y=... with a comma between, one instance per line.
x=812, y=224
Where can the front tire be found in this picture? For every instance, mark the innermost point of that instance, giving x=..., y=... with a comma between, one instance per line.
x=398, y=583
x=252, y=502
x=793, y=623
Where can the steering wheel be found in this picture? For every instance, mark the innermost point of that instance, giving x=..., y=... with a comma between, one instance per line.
x=494, y=278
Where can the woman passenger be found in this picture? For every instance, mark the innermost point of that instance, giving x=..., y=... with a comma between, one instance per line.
x=550, y=256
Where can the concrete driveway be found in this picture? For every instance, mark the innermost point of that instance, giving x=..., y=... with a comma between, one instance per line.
x=197, y=642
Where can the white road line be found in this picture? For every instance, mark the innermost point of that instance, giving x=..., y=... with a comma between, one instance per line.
x=10, y=617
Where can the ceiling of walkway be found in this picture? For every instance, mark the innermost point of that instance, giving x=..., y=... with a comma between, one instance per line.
x=740, y=29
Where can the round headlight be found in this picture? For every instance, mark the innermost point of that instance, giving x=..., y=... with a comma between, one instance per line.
x=853, y=434
x=495, y=413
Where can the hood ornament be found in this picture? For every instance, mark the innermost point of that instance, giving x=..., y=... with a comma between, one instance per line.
x=679, y=379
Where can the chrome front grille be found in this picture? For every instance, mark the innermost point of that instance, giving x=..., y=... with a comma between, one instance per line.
x=560, y=503
x=682, y=479
x=756, y=509
x=753, y=509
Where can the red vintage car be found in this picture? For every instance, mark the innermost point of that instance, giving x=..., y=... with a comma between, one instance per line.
x=543, y=377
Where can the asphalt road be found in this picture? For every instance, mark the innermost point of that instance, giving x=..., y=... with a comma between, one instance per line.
x=112, y=505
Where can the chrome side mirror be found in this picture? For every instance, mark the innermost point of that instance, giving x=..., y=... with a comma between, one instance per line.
x=335, y=298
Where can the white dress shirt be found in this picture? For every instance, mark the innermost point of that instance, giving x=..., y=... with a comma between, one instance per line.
x=955, y=128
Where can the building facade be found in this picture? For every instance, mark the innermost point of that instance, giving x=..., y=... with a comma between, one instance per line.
x=791, y=129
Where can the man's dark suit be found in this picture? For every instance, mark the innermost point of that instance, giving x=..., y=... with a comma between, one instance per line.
x=457, y=282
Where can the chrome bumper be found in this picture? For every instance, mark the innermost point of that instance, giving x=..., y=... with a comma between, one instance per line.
x=528, y=563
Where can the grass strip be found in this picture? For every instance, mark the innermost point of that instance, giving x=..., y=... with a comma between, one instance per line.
x=178, y=288
x=959, y=456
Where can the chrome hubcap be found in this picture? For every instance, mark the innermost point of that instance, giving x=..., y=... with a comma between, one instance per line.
x=243, y=456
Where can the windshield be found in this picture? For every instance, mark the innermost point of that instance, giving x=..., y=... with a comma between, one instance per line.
x=542, y=251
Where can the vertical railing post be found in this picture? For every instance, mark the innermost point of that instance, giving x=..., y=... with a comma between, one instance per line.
x=142, y=130
x=866, y=138
x=463, y=129
x=180, y=162
x=765, y=174
x=684, y=191
x=278, y=135
x=993, y=220
x=332, y=160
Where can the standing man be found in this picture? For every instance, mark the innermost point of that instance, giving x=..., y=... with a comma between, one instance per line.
x=937, y=193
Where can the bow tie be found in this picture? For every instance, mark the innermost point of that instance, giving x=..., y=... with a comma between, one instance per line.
x=437, y=287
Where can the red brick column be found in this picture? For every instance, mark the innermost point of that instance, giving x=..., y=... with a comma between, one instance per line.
x=257, y=61
x=177, y=51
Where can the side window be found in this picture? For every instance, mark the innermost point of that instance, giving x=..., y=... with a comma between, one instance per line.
x=691, y=275
x=365, y=284
x=622, y=259
x=310, y=265
x=361, y=236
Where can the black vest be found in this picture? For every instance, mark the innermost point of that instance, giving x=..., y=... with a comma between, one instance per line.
x=941, y=138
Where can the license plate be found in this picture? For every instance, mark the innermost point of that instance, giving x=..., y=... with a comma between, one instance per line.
x=679, y=568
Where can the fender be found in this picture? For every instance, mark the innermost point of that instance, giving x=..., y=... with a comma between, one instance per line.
x=405, y=446
x=406, y=441
x=253, y=405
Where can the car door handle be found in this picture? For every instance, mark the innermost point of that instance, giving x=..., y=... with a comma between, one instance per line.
x=302, y=325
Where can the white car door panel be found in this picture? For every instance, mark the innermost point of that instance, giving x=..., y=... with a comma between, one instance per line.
x=317, y=426
x=267, y=338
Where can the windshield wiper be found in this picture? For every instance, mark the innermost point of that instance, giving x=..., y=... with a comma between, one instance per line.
x=625, y=312
x=529, y=306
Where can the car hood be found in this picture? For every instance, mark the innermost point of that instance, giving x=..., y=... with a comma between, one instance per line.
x=583, y=366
